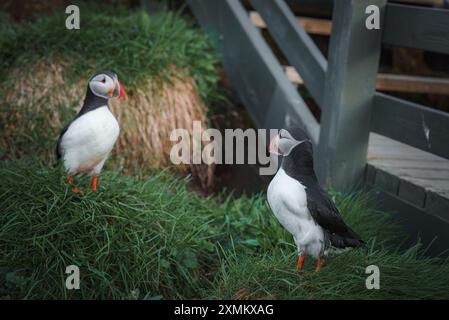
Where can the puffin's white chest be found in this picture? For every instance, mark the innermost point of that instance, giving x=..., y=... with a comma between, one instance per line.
x=89, y=139
x=288, y=201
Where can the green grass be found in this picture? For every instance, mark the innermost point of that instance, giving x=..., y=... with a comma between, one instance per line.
x=136, y=45
x=133, y=43
x=153, y=238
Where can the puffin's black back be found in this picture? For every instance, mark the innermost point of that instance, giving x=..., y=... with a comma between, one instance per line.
x=299, y=165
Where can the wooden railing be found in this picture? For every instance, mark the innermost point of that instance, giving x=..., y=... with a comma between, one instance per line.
x=343, y=86
x=271, y=99
x=411, y=123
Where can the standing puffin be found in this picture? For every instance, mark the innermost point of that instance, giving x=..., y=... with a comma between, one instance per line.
x=84, y=144
x=301, y=205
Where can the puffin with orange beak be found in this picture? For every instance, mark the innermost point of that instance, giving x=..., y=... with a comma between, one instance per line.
x=300, y=203
x=85, y=142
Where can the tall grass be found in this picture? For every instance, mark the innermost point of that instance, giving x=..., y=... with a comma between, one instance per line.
x=133, y=43
x=165, y=62
x=153, y=238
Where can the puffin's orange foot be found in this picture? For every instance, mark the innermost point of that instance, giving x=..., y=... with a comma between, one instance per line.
x=76, y=190
x=319, y=264
x=300, y=263
x=70, y=179
x=94, y=183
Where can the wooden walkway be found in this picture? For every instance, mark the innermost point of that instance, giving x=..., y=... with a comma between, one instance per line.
x=416, y=176
x=407, y=171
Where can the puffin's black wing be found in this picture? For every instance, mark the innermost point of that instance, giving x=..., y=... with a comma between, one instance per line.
x=326, y=214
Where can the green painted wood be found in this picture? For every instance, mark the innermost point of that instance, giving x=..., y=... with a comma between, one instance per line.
x=409, y=172
x=438, y=206
x=429, y=230
x=349, y=89
x=417, y=27
x=271, y=100
x=413, y=193
x=318, y=8
x=295, y=43
x=370, y=174
x=411, y=123
x=386, y=181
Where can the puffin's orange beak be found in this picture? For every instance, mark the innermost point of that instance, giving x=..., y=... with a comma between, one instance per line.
x=274, y=145
x=122, y=91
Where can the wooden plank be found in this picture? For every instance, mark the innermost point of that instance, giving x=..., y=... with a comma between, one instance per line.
x=431, y=185
x=271, y=100
x=349, y=89
x=419, y=177
x=417, y=27
x=437, y=205
x=392, y=82
x=322, y=27
x=429, y=174
x=401, y=162
x=412, y=193
x=387, y=181
x=411, y=123
x=295, y=43
x=321, y=8
x=437, y=3
x=423, y=227
x=412, y=84
x=370, y=174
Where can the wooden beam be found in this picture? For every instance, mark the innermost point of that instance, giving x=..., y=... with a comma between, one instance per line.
x=295, y=43
x=429, y=30
x=417, y=27
x=418, y=126
x=422, y=225
x=349, y=89
x=258, y=78
x=412, y=84
x=436, y=3
x=310, y=25
x=392, y=82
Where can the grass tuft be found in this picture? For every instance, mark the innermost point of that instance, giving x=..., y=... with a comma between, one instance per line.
x=166, y=64
x=133, y=43
x=151, y=238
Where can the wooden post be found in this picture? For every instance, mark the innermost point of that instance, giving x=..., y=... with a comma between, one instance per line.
x=349, y=89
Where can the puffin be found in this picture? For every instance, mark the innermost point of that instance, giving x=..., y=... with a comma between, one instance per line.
x=301, y=205
x=85, y=142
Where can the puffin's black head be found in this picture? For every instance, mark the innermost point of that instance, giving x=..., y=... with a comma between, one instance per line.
x=288, y=140
x=295, y=148
x=105, y=84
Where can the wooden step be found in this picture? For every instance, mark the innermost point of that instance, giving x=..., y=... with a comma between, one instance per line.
x=416, y=176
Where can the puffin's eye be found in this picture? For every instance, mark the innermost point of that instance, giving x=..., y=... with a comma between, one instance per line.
x=104, y=80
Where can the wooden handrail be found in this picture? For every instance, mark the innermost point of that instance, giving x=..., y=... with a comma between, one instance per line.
x=295, y=43
x=253, y=68
x=392, y=82
x=385, y=82
x=437, y=3
x=416, y=125
x=417, y=27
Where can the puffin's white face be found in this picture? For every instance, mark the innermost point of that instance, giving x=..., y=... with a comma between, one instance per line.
x=104, y=86
x=283, y=143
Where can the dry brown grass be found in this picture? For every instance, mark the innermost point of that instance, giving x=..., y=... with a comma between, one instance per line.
x=39, y=100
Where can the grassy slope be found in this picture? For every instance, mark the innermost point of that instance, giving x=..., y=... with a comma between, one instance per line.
x=153, y=238
x=134, y=44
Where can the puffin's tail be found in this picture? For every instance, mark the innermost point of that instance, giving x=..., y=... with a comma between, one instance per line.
x=348, y=239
